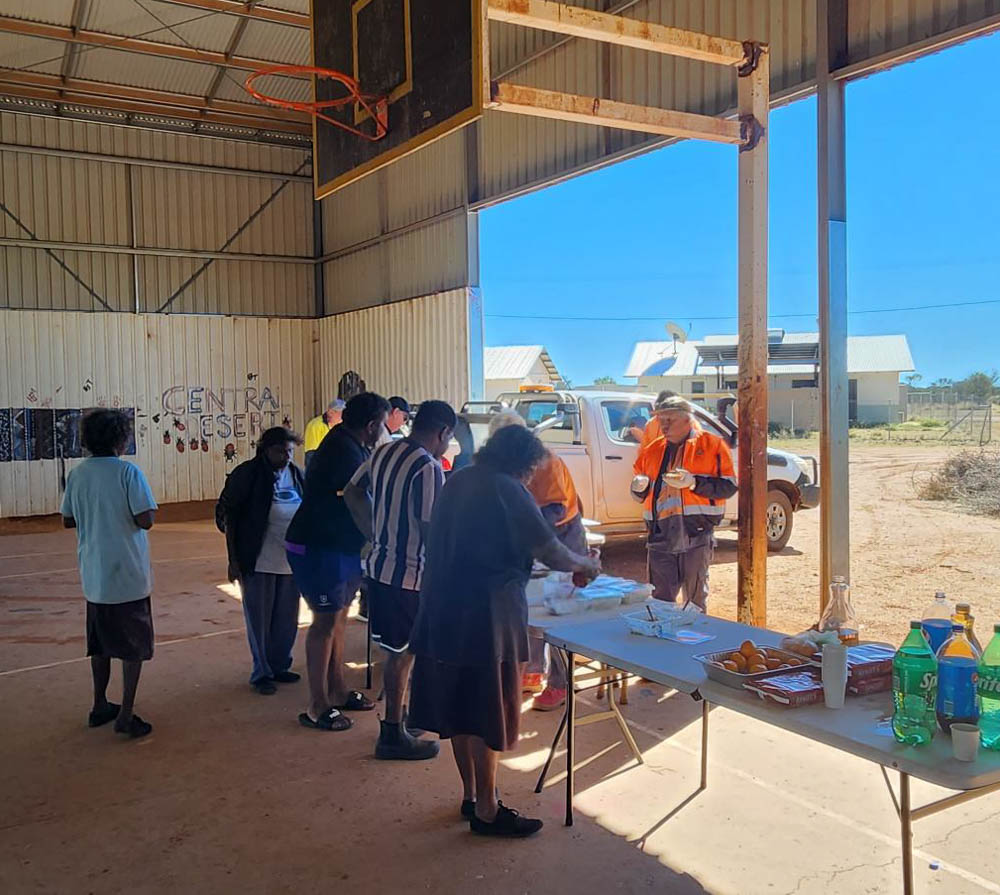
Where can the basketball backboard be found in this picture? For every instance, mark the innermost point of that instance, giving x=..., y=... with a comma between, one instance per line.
x=424, y=56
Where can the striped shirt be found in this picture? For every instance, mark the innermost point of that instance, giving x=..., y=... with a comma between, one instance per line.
x=404, y=480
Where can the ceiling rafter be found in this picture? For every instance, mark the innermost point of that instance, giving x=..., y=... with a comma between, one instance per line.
x=238, y=8
x=156, y=109
x=99, y=89
x=130, y=44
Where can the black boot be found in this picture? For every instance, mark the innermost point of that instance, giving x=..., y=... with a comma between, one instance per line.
x=414, y=732
x=395, y=744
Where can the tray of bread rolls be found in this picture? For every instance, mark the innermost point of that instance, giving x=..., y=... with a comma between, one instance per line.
x=750, y=662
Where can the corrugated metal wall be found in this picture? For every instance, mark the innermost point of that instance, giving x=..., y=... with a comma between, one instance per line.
x=402, y=232
x=58, y=200
x=430, y=347
x=196, y=384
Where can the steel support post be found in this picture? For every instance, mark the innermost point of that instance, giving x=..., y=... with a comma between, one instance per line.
x=752, y=546
x=835, y=533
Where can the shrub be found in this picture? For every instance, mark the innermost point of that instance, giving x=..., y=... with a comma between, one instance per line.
x=969, y=478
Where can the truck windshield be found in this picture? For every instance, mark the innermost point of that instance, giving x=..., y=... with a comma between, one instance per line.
x=536, y=411
x=625, y=420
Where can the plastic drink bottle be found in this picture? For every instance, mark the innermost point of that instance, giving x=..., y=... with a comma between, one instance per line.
x=989, y=694
x=963, y=616
x=937, y=621
x=914, y=689
x=958, y=673
x=839, y=612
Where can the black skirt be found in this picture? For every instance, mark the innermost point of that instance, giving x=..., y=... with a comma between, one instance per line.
x=456, y=700
x=120, y=630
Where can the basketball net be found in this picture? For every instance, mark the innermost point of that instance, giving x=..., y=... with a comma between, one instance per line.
x=376, y=106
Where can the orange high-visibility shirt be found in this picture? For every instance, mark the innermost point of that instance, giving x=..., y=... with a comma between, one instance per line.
x=552, y=483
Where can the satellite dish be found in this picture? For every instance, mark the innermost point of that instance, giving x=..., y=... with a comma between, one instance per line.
x=676, y=332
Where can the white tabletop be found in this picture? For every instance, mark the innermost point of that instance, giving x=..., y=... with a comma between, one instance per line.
x=860, y=728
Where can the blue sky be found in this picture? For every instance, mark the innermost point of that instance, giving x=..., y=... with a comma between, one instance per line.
x=656, y=236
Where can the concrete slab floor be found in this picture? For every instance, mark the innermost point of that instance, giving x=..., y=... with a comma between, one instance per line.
x=231, y=794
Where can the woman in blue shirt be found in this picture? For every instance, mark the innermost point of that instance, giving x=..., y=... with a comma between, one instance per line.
x=109, y=503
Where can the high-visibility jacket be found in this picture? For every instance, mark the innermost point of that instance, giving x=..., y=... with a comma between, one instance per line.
x=650, y=433
x=708, y=458
x=552, y=483
x=316, y=430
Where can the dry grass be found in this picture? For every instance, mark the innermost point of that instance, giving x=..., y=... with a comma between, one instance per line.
x=971, y=479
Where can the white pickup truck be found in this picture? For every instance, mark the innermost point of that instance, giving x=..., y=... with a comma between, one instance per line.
x=591, y=431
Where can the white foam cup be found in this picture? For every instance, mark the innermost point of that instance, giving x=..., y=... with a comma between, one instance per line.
x=965, y=741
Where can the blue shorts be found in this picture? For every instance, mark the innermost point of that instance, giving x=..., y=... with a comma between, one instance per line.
x=327, y=579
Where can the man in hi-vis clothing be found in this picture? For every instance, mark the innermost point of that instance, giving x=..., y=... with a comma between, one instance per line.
x=684, y=478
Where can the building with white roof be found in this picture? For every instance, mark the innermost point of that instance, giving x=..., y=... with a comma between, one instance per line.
x=508, y=367
x=874, y=365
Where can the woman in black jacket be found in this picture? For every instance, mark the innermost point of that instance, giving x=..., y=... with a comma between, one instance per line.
x=257, y=503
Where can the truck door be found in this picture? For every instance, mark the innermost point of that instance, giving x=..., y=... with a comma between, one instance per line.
x=561, y=440
x=614, y=454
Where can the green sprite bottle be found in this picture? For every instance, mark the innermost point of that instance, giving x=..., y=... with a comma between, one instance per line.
x=914, y=689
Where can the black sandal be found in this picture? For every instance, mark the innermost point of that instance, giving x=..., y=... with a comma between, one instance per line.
x=357, y=702
x=104, y=716
x=331, y=719
x=137, y=728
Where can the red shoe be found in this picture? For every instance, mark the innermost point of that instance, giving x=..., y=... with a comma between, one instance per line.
x=531, y=683
x=549, y=700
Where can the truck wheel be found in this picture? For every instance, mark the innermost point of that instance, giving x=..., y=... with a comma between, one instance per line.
x=779, y=520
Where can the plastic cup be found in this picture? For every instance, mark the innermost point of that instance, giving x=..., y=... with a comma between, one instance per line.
x=834, y=674
x=965, y=741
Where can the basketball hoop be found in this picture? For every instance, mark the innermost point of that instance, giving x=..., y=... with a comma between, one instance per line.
x=376, y=106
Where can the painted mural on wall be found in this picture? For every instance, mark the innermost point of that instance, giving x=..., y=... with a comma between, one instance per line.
x=199, y=419
x=44, y=433
x=207, y=418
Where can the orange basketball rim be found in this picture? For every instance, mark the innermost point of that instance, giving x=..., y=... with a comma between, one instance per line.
x=376, y=106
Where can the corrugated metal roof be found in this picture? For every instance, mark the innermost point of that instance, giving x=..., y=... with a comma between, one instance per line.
x=280, y=43
x=188, y=26
x=516, y=361
x=145, y=71
x=52, y=12
x=301, y=6
x=865, y=354
x=877, y=354
x=31, y=54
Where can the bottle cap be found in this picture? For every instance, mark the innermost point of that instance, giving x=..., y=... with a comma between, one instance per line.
x=914, y=626
x=996, y=628
x=939, y=595
x=957, y=627
x=963, y=607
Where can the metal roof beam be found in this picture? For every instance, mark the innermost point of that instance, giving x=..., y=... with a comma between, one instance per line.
x=129, y=44
x=575, y=21
x=104, y=89
x=76, y=19
x=541, y=103
x=236, y=8
x=156, y=109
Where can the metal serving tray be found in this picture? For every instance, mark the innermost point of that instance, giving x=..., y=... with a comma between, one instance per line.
x=737, y=680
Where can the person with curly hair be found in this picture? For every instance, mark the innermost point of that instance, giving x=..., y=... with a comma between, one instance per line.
x=109, y=503
x=470, y=636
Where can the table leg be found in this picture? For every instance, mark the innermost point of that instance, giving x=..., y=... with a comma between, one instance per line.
x=570, y=736
x=552, y=752
x=704, y=744
x=907, y=832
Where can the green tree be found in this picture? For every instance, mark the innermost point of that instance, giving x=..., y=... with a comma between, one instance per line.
x=979, y=385
x=912, y=379
x=605, y=380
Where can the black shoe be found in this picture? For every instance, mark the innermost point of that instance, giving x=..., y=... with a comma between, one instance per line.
x=415, y=732
x=287, y=677
x=395, y=744
x=468, y=809
x=265, y=687
x=507, y=823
